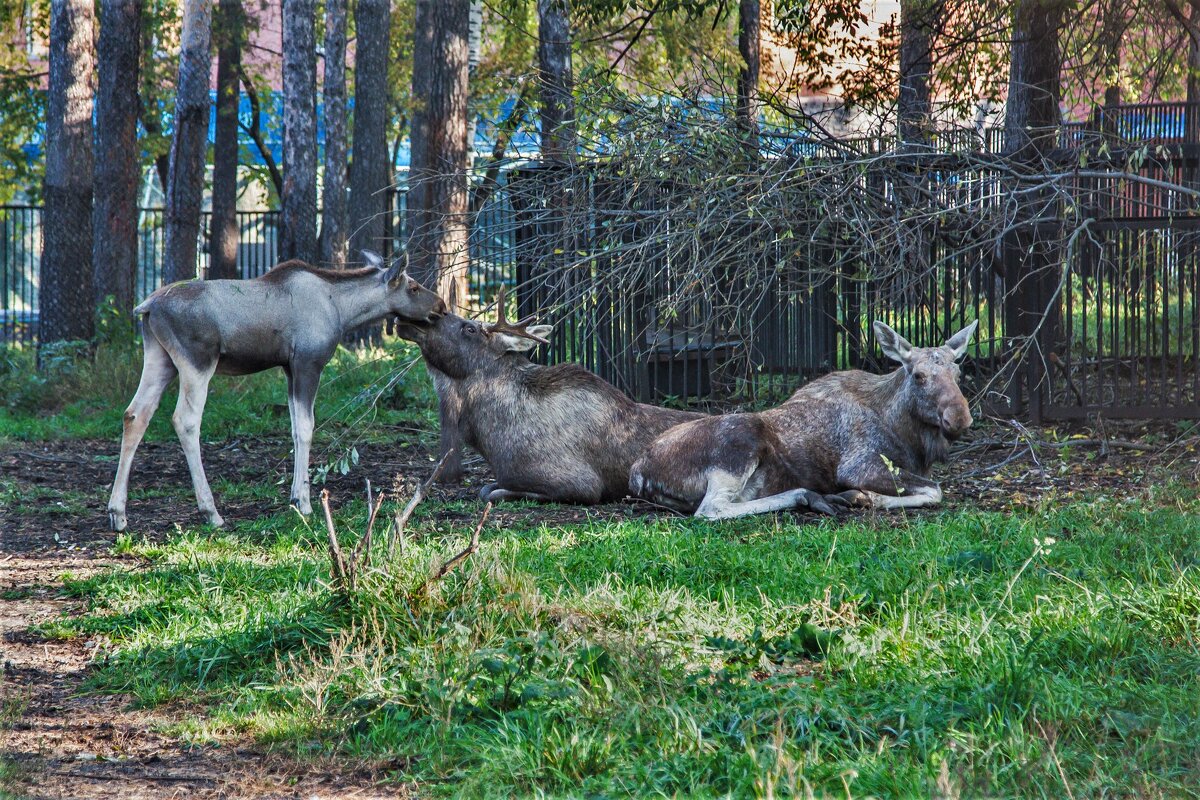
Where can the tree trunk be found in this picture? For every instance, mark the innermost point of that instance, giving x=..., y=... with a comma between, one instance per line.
x=557, y=81
x=185, y=184
x=370, y=170
x=1031, y=258
x=223, y=247
x=919, y=22
x=437, y=195
x=115, y=251
x=333, y=192
x=299, y=200
x=1031, y=111
x=66, y=271
x=749, y=25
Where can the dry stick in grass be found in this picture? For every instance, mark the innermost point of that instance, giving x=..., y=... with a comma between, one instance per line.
x=401, y=519
x=336, y=559
x=444, y=570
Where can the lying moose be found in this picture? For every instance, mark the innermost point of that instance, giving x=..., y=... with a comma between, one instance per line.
x=552, y=433
x=859, y=439
x=292, y=317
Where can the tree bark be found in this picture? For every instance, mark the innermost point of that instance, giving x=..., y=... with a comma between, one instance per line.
x=749, y=46
x=437, y=194
x=1031, y=111
x=299, y=200
x=223, y=243
x=115, y=218
x=333, y=190
x=66, y=295
x=370, y=170
x=185, y=184
x=919, y=22
x=557, y=81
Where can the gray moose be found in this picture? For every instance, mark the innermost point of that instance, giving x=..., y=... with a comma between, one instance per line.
x=552, y=433
x=848, y=438
x=292, y=317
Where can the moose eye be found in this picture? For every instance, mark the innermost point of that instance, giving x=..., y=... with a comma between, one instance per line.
x=919, y=377
x=413, y=290
x=469, y=330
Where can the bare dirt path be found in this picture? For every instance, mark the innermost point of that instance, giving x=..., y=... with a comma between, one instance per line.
x=58, y=741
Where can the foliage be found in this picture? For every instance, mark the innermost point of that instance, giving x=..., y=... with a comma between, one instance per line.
x=674, y=657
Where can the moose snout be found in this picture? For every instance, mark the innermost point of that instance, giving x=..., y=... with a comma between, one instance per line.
x=955, y=419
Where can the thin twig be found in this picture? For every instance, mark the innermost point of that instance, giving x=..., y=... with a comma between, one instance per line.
x=470, y=548
x=335, y=550
x=400, y=521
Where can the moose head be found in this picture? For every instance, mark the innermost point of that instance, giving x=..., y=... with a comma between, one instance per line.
x=931, y=378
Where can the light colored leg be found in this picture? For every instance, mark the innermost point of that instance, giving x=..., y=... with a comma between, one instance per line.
x=728, y=497
x=302, y=433
x=917, y=497
x=193, y=391
x=491, y=494
x=157, y=373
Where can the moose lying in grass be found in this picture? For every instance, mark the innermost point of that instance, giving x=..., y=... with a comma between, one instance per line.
x=857, y=438
x=552, y=433
x=292, y=317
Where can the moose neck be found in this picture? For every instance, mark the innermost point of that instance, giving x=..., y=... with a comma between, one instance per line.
x=894, y=402
x=359, y=301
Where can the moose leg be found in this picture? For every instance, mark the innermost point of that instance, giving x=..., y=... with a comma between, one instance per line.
x=450, y=438
x=879, y=487
x=157, y=373
x=491, y=493
x=193, y=391
x=302, y=393
x=726, y=497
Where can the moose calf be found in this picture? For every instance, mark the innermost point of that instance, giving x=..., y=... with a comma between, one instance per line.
x=552, y=433
x=858, y=438
x=292, y=317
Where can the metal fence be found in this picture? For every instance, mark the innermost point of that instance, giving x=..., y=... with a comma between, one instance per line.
x=1107, y=322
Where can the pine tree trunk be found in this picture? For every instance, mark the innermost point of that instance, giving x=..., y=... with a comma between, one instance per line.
x=919, y=21
x=115, y=251
x=229, y=24
x=185, y=184
x=1031, y=112
x=299, y=200
x=333, y=189
x=749, y=46
x=557, y=80
x=437, y=195
x=66, y=295
x=370, y=171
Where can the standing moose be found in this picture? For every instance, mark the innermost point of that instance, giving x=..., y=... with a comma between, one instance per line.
x=860, y=439
x=292, y=317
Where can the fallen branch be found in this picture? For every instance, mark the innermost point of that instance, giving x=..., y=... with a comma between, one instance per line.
x=400, y=521
x=336, y=559
x=445, y=569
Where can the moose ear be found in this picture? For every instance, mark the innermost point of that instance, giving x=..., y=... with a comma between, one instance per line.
x=894, y=346
x=399, y=269
x=959, y=341
x=372, y=259
x=520, y=344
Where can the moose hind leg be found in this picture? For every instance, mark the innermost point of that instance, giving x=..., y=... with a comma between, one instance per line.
x=193, y=391
x=157, y=373
x=731, y=495
x=888, y=488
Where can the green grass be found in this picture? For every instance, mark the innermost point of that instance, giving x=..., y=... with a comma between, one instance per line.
x=82, y=397
x=961, y=652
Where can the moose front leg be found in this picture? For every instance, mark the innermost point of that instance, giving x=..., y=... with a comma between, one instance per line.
x=303, y=381
x=877, y=485
x=450, y=438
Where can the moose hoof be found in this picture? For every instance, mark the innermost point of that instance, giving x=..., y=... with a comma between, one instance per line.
x=851, y=498
x=485, y=494
x=813, y=501
x=304, y=507
x=215, y=520
x=117, y=521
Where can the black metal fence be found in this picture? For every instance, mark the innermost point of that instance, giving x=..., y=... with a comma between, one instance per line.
x=1092, y=307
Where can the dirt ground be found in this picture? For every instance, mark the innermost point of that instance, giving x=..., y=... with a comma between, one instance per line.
x=57, y=742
